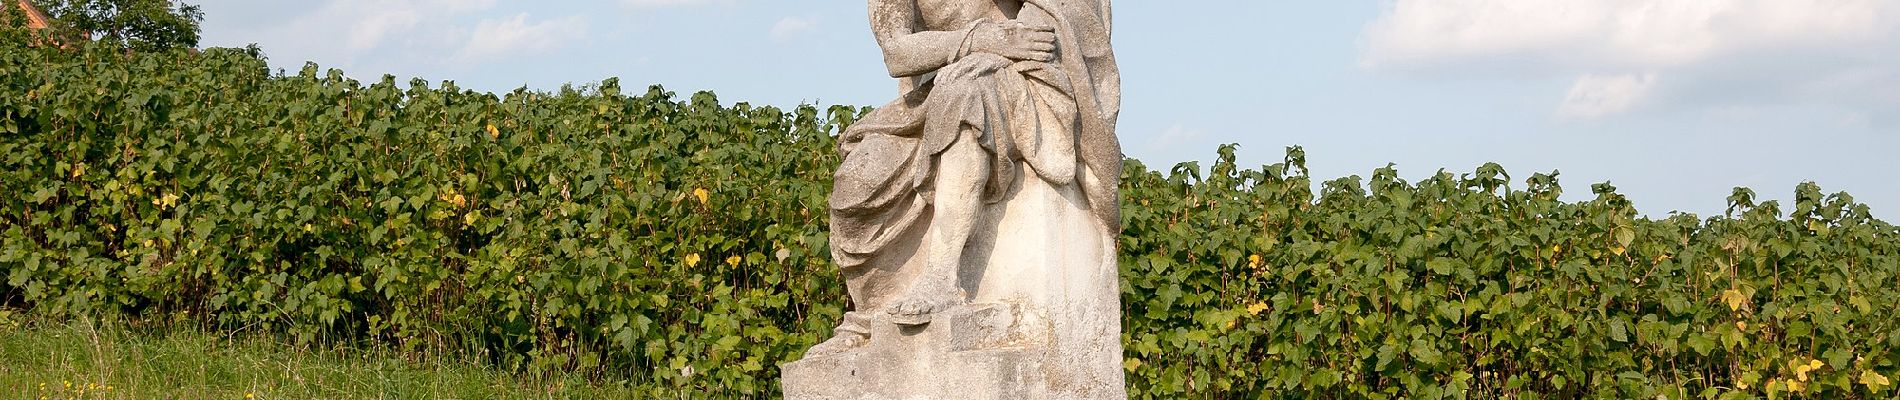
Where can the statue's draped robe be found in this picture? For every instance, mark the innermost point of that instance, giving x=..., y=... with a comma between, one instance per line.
x=1046, y=242
x=1050, y=115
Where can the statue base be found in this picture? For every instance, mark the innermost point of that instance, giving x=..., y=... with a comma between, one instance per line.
x=977, y=351
x=1044, y=319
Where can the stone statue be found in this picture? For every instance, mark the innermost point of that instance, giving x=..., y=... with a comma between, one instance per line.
x=975, y=216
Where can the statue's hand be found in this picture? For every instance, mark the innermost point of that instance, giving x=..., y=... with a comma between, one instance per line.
x=1016, y=41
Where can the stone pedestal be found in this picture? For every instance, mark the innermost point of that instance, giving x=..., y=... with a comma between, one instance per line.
x=979, y=351
x=1043, y=322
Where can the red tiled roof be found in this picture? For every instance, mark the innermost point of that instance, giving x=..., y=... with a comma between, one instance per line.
x=34, y=18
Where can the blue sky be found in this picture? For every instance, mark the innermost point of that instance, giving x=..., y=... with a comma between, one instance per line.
x=1673, y=102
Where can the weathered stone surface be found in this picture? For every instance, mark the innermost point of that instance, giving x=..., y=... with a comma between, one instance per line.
x=978, y=351
x=975, y=216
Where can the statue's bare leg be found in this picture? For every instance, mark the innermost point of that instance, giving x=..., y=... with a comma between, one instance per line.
x=962, y=171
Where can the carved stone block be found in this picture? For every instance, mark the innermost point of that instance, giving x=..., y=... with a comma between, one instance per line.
x=978, y=351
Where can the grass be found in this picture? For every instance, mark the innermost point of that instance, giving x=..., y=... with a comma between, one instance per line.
x=110, y=360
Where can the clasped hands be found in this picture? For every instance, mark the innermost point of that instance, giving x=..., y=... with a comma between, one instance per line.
x=995, y=45
x=1015, y=40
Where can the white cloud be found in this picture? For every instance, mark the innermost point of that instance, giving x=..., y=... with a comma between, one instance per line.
x=668, y=3
x=340, y=31
x=410, y=37
x=1854, y=120
x=509, y=36
x=789, y=27
x=1595, y=96
x=1614, y=33
x=1619, y=50
x=1175, y=136
x=370, y=23
x=369, y=31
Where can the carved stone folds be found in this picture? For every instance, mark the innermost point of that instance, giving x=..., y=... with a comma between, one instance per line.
x=975, y=217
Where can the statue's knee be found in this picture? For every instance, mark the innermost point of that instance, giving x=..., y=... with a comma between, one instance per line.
x=969, y=87
x=874, y=161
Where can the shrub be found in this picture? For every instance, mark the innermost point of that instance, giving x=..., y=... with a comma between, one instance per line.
x=680, y=245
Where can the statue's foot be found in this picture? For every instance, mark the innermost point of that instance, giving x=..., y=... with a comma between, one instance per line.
x=838, y=343
x=922, y=301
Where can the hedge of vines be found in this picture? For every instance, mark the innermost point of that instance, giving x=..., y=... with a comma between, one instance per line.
x=679, y=246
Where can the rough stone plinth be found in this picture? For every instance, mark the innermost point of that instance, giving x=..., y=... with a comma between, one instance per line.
x=979, y=351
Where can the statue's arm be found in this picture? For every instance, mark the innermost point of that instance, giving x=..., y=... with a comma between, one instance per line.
x=908, y=50
x=1108, y=17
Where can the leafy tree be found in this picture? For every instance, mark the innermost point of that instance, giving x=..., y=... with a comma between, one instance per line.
x=137, y=24
x=13, y=25
x=11, y=18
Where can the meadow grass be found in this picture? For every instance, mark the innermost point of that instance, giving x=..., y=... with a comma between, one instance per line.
x=114, y=360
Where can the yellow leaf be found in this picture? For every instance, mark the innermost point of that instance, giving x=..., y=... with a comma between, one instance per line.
x=1734, y=298
x=1131, y=364
x=493, y=133
x=1254, y=261
x=1801, y=369
x=733, y=261
x=692, y=260
x=702, y=194
x=1741, y=325
x=1618, y=250
x=79, y=170
x=1256, y=308
x=1874, y=380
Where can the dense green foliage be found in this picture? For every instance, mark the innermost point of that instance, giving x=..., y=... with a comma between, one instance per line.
x=679, y=245
x=1465, y=286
